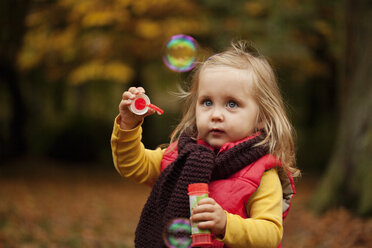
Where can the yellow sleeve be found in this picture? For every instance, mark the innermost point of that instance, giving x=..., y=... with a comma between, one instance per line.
x=131, y=159
x=264, y=227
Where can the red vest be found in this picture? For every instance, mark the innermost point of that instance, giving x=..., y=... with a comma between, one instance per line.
x=233, y=193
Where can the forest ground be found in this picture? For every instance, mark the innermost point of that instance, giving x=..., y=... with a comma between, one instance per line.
x=44, y=203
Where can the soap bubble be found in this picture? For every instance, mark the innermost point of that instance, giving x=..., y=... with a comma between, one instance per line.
x=180, y=53
x=177, y=233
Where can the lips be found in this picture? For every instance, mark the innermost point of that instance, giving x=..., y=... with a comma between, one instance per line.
x=216, y=131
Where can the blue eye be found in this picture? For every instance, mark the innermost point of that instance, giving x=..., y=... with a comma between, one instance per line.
x=207, y=103
x=232, y=104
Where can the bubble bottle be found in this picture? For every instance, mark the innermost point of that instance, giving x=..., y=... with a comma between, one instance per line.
x=200, y=237
x=141, y=104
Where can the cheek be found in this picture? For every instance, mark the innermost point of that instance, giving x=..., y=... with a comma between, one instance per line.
x=201, y=124
x=250, y=122
x=197, y=120
x=198, y=115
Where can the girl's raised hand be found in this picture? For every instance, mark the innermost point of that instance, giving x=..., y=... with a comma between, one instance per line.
x=129, y=120
x=210, y=215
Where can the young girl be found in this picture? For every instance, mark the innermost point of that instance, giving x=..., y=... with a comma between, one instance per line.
x=235, y=136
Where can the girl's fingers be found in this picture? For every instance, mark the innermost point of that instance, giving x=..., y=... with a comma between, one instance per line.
x=141, y=90
x=210, y=216
x=136, y=90
x=203, y=213
x=206, y=224
x=207, y=200
x=128, y=95
x=205, y=216
x=132, y=92
x=126, y=102
x=203, y=208
x=205, y=205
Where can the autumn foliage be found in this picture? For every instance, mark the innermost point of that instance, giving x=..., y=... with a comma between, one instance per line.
x=75, y=207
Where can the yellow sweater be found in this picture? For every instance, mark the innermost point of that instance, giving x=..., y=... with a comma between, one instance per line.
x=262, y=229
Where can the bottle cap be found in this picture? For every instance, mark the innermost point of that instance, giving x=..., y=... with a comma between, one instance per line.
x=201, y=239
x=198, y=187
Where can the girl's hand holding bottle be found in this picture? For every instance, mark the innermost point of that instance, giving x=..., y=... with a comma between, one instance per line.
x=129, y=120
x=210, y=215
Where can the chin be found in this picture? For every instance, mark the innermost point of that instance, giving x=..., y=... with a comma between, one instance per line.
x=216, y=146
x=216, y=143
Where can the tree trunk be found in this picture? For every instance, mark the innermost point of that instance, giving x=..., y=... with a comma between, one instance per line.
x=12, y=28
x=348, y=179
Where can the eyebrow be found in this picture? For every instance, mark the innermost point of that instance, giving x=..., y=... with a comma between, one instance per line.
x=235, y=99
x=226, y=98
x=203, y=96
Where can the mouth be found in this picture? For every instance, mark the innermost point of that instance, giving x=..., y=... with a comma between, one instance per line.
x=216, y=131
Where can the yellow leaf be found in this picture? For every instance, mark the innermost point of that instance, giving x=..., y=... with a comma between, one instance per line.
x=323, y=28
x=32, y=53
x=63, y=40
x=148, y=29
x=97, y=70
x=254, y=8
x=123, y=3
x=98, y=18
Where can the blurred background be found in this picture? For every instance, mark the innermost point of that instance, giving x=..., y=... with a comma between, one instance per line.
x=64, y=65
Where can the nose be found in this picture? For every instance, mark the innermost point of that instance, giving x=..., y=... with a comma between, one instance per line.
x=217, y=114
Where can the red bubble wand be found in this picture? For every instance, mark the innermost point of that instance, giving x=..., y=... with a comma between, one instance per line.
x=141, y=105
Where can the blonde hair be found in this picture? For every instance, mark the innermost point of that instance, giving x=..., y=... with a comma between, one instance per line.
x=272, y=115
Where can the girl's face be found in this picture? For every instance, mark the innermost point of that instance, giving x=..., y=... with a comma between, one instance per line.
x=225, y=110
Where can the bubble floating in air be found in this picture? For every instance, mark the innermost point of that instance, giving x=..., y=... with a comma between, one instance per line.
x=180, y=53
x=177, y=234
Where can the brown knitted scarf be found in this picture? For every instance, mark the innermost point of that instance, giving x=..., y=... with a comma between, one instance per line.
x=195, y=164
